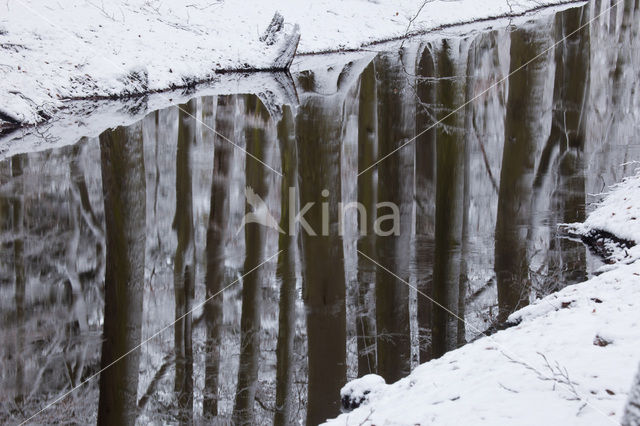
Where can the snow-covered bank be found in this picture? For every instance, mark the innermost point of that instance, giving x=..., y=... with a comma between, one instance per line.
x=617, y=216
x=81, y=48
x=570, y=360
x=89, y=118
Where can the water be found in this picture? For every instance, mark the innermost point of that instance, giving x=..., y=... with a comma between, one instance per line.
x=107, y=240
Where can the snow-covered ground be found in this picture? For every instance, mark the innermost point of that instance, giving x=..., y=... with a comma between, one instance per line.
x=53, y=51
x=571, y=359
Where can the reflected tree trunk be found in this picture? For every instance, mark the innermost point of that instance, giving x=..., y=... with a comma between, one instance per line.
x=124, y=189
x=318, y=135
x=286, y=274
x=255, y=241
x=216, y=234
x=617, y=89
x=395, y=185
x=450, y=148
x=625, y=41
x=80, y=209
x=17, y=165
x=466, y=195
x=81, y=193
x=567, y=138
x=367, y=149
x=523, y=128
x=425, y=196
x=184, y=264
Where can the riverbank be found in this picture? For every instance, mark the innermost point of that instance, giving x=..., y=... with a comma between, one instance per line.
x=87, y=50
x=570, y=360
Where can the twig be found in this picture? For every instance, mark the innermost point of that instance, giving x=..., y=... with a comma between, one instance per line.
x=264, y=406
x=559, y=375
x=366, y=418
x=154, y=382
x=506, y=388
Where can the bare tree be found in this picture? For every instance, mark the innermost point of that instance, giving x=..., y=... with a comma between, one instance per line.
x=395, y=185
x=216, y=232
x=450, y=148
x=17, y=165
x=255, y=240
x=319, y=133
x=124, y=188
x=286, y=273
x=426, y=88
x=367, y=141
x=184, y=264
x=566, y=143
x=525, y=106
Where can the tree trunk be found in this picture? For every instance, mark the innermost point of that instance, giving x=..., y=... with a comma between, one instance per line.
x=523, y=128
x=395, y=185
x=255, y=241
x=17, y=165
x=323, y=256
x=367, y=149
x=124, y=188
x=450, y=146
x=425, y=196
x=216, y=233
x=184, y=264
x=567, y=139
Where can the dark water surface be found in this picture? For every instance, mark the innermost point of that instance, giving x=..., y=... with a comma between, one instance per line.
x=106, y=241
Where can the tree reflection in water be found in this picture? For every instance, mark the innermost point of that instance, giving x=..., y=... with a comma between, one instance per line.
x=479, y=197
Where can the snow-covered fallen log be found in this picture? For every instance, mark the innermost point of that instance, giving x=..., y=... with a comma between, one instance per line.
x=286, y=42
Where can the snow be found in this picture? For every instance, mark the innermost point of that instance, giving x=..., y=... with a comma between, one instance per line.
x=570, y=360
x=53, y=51
x=619, y=212
x=89, y=118
x=357, y=391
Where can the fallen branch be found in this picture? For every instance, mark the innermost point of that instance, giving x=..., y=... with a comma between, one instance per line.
x=151, y=389
x=599, y=242
x=288, y=43
x=559, y=375
x=9, y=119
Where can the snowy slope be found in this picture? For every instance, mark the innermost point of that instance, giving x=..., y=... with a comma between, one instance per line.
x=563, y=363
x=50, y=51
x=619, y=212
x=617, y=215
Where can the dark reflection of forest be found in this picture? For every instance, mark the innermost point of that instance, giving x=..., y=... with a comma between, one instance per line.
x=104, y=242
